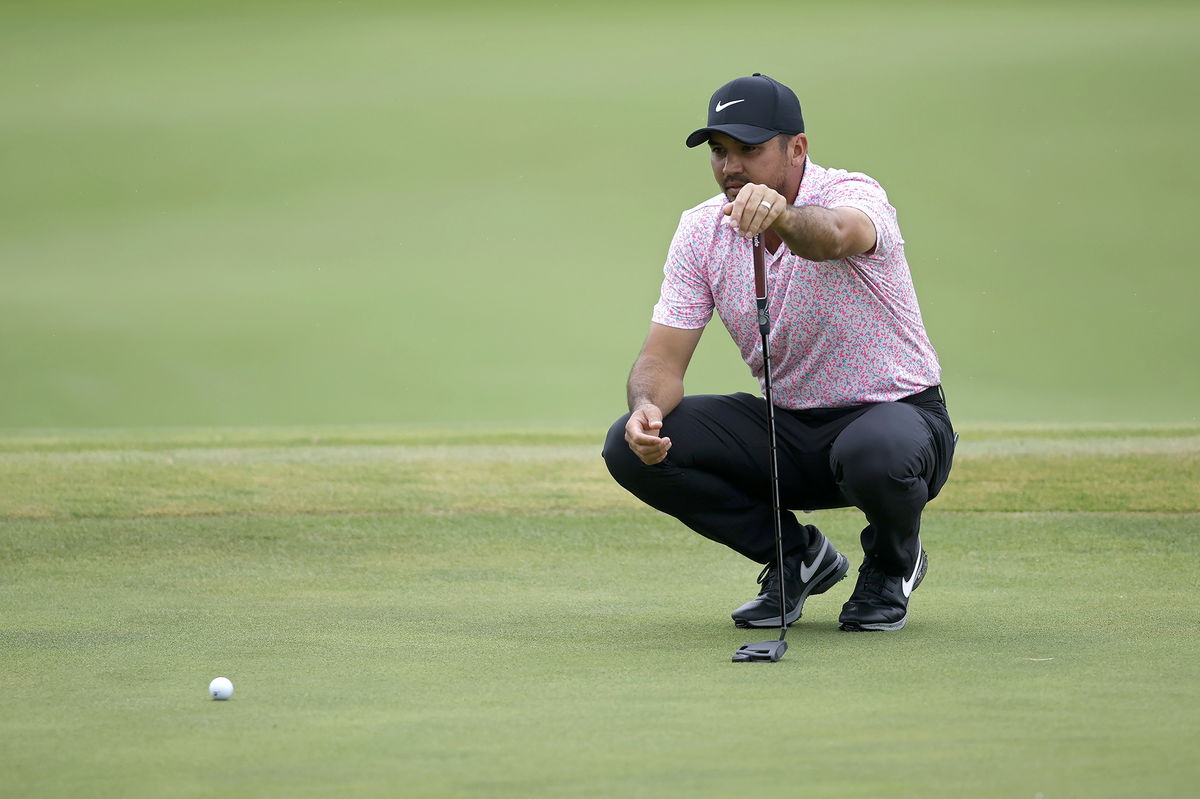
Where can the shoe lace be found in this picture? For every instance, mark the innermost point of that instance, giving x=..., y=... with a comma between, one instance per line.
x=871, y=580
x=768, y=578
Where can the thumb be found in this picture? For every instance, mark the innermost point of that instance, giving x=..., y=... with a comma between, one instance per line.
x=649, y=416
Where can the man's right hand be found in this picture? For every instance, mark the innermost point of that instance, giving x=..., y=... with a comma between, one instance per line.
x=641, y=432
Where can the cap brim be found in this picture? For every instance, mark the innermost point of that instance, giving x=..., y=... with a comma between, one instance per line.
x=748, y=134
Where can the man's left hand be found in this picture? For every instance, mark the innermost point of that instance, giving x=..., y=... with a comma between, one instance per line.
x=755, y=209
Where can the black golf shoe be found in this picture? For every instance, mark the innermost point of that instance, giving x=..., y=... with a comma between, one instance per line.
x=810, y=571
x=880, y=601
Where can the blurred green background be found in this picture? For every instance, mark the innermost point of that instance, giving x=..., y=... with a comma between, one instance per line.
x=219, y=213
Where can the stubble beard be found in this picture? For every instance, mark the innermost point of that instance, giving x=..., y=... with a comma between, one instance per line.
x=779, y=185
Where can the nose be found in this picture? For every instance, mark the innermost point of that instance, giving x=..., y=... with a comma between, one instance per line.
x=732, y=165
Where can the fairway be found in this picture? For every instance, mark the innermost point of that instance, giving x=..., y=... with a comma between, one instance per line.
x=424, y=613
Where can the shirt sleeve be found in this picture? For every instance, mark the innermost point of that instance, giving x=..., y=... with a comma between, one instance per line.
x=686, y=299
x=856, y=190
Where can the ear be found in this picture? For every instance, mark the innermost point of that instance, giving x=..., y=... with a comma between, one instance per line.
x=799, y=147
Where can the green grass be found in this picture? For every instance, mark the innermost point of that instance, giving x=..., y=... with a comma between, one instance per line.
x=420, y=612
x=314, y=315
x=216, y=213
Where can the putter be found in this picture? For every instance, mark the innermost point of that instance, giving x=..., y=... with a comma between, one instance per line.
x=768, y=651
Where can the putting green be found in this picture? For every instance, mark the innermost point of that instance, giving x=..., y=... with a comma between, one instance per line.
x=404, y=612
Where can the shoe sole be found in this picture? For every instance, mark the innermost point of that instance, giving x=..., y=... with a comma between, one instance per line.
x=856, y=627
x=819, y=585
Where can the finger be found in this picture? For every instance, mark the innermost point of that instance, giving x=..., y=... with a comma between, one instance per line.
x=637, y=434
x=742, y=212
x=653, y=455
x=766, y=208
x=755, y=208
x=642, y=434
x=762, y=209
x=649, y=444
x=777, y=210
x=639, y=426
x=731, y=210
x=651, y=417
x=643, y=441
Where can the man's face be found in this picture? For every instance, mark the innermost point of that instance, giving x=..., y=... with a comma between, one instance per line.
x=736, y=163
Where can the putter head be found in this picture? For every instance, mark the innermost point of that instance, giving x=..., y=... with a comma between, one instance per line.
x=761, y=652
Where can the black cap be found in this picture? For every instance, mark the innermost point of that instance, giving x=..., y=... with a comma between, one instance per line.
x=751, y=110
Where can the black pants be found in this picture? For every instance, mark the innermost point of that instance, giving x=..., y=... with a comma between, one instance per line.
x=887, y=459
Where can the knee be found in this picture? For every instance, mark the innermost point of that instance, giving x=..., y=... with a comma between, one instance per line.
x=862, y=473
x=870, y=464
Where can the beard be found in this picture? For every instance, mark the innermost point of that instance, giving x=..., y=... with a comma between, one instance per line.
x=732, y=184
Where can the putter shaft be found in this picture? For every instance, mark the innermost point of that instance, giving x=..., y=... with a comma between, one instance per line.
x=764, y=328
x=768, y=651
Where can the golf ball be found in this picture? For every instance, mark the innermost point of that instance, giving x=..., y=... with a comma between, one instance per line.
x=221, y=688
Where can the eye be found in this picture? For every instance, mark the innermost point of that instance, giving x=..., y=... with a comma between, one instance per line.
x=749, y=148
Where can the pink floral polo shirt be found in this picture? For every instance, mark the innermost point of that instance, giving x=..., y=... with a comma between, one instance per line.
x=842, y=332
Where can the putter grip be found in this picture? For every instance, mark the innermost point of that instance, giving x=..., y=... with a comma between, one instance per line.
x=760, y=288
x=760, y=271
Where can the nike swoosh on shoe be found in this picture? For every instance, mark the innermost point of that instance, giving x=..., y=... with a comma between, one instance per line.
x=906, y=585
x=808, y=570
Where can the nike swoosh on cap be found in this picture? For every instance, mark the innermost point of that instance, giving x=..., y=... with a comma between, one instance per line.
x=723, y=106
x=906, y=585
x=806, y=571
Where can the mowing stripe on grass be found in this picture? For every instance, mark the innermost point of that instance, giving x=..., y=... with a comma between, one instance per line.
x=285, y=472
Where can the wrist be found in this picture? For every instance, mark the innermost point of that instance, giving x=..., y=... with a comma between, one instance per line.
x=783, y=222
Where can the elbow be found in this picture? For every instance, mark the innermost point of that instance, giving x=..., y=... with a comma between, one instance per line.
x=843, y=242
x=833, y=242
x=836, y=249
x=833, y=252
x=824, y=251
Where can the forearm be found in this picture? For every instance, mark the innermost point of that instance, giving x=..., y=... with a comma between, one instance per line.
x=812, y=232
x=652, y=382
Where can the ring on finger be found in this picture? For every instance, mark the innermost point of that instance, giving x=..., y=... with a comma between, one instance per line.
x=765, y=204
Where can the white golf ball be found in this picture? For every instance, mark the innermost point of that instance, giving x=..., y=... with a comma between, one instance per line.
x=221, y=688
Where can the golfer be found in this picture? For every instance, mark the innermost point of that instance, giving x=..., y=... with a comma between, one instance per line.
x=861, y=417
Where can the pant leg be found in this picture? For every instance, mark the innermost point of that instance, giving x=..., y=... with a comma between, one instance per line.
x=889, y=462
x=716, y=478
